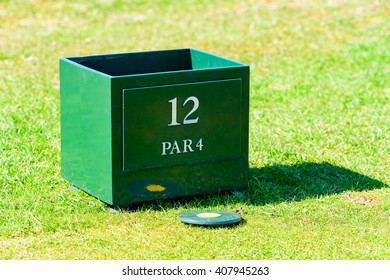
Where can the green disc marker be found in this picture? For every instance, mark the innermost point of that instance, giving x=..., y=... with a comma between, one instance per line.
x=209, y=217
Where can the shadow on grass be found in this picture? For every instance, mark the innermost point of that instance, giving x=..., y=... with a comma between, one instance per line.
x=281, y=183
x=276, y=184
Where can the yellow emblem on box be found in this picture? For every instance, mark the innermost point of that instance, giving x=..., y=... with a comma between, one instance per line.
x=208, y=215
x=155, y=188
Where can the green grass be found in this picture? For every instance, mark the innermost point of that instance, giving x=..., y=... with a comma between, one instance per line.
x=319, y=130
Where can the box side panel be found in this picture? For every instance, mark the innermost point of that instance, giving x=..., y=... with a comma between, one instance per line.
x=85, y=105
x=204, y=60
x=245, y=75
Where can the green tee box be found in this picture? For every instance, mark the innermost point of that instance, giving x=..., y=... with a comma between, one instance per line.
x=156, y=124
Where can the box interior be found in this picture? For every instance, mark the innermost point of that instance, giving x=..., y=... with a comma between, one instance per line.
x=152, y=62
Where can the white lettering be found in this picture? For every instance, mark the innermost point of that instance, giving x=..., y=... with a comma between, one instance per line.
x=196, y=106
x=187, y=119
x=165, y=146
x=187, y=146
x=181, y=147
x=199, y=145
x=174, y=112
x=175, y=147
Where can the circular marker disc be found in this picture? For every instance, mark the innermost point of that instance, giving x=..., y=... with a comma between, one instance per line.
x=209, y=217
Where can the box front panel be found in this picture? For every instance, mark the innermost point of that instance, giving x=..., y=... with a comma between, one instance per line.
x=181, y=124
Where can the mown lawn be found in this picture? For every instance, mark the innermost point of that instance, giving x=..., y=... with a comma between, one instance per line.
x=319, y=130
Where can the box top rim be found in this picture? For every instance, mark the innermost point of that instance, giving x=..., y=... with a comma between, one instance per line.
x=228, y=63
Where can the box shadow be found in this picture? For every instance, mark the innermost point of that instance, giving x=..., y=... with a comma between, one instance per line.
x=276, y=184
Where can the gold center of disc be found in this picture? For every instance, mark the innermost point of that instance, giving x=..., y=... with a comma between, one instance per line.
x=208, y=215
